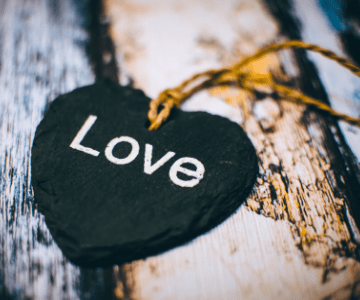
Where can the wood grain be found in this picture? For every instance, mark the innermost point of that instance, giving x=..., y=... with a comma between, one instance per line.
x=296, y=236
x=43, y=54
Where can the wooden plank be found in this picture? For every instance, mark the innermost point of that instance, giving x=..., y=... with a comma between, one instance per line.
x=295, y=236
x=342, y=87
x=43, y=54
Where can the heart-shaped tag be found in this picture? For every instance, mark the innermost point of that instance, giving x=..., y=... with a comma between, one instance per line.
x=112, y=191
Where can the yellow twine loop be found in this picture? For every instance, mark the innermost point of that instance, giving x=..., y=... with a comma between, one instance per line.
x=237, y=75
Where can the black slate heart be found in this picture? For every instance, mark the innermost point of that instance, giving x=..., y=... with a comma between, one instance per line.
x=102, y=213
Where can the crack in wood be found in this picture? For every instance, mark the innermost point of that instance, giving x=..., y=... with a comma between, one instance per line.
x=102, y=51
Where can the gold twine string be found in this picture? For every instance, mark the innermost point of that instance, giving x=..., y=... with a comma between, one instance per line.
x=237, y=75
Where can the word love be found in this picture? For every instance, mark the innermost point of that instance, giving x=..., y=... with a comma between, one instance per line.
x=177, y=167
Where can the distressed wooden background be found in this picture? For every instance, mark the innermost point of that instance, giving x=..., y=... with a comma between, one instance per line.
x=297, y=236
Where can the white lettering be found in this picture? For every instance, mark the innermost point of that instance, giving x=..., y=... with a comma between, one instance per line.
x=197, y=175
x=176, y=167
x=80, y=136
x=148, y=168
x=122, y=161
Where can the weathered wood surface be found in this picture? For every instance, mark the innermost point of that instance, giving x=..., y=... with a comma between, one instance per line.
x=329, y=29
x=42, y=48
x=296, y=236
x=342, y=87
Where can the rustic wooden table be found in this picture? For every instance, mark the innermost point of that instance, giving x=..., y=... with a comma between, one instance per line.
x=296, y=237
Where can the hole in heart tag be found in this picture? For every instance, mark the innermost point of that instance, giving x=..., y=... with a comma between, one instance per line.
x=113, y=191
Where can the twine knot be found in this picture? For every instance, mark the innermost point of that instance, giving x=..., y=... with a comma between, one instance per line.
x=248, y=81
